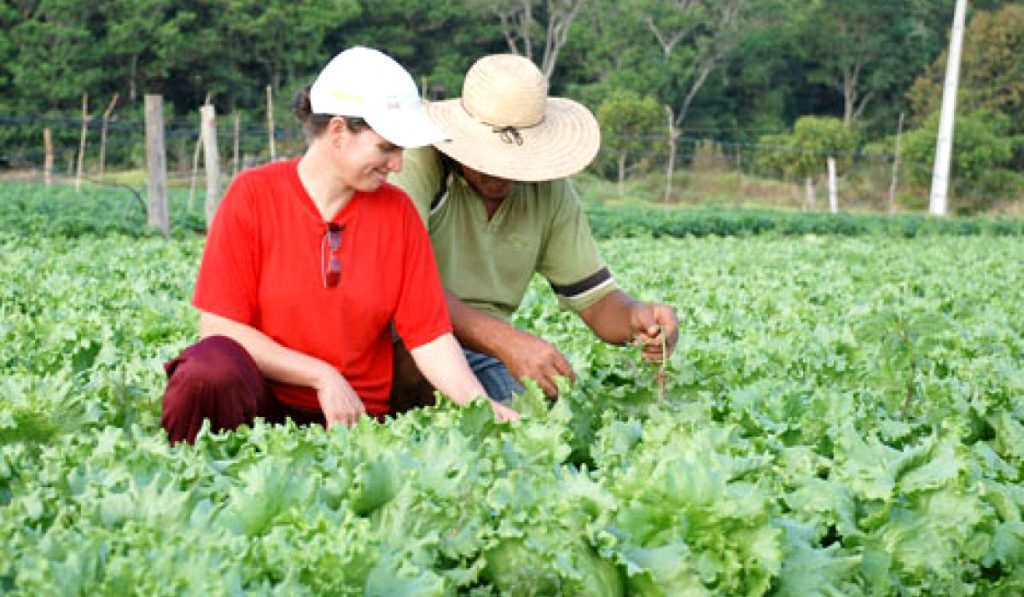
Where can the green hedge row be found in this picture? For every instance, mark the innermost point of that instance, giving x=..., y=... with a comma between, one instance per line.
x=33, y=209
x=632, y=221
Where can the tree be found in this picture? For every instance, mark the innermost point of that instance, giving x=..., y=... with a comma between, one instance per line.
x=144, y=40
x=285, y=37
x=667, y=49
x=8, y=17
x=523, y=22
x=628, y=124
x=57, y=59
x=803, y=153
x=759, y=88
x=991, y=72
x=980, y=171
x=695, y=37
x=861, y=49
x=436, y=41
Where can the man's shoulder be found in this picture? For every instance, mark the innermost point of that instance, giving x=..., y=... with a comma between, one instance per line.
x=559, y=189
x=426, y=152
x=418, y=162
x=420, y=175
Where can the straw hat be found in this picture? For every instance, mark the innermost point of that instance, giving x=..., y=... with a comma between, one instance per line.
x=505, y=124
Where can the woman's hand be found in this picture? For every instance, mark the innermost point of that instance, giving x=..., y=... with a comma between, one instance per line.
x=338, y=400
x=503, y=413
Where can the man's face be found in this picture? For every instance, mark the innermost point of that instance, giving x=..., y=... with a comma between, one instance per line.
x=490, y=187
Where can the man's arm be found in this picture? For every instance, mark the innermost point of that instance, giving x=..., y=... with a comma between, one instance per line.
x=524, y=354
x=619, y=318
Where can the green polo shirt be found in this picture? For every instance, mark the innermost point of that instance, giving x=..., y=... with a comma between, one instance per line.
x=539, y=228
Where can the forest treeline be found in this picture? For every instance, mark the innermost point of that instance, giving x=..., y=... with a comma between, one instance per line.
x=796, y=78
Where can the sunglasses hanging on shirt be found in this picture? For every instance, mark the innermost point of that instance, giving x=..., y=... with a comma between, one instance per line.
x=330, y=262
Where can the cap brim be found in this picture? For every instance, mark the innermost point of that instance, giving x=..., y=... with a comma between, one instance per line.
x=408, y=129
x=564, y=143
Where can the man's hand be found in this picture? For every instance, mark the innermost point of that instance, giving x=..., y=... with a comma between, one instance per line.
x=654, y=326
x=338, y=400
x=526, y=355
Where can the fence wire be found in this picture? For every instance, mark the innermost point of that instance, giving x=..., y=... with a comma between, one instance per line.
x=706, y=162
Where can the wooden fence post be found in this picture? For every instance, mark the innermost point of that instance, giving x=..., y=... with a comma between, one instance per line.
x=47, y=156
x=195, y=171
x=270, y=122
x=156, y=165
x=833, y=187
x=234, y=160
x=195, y=159
x=81, y=142
x=673, y=137
x=103, y=132
x=208, y=120
x=741, y=179
x=895, y=167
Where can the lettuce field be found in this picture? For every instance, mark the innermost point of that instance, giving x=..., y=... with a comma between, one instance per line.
x=844, y=416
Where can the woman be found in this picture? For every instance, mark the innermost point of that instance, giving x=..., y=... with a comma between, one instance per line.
x=312, y=264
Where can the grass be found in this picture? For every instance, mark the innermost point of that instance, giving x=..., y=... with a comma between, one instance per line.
x=863, y=191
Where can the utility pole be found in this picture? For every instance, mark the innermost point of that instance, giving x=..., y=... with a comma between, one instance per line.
x=938, y=202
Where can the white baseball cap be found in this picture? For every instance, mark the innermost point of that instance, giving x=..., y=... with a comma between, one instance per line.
x=369, y=84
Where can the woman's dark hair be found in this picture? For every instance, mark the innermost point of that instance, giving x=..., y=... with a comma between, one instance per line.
x=315, y=124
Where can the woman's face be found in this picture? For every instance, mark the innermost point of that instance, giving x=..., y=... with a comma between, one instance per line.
x=364, y=158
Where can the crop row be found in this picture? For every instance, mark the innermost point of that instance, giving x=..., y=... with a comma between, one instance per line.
x=843, y=416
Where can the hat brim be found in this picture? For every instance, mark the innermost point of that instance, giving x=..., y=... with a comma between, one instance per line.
x=564, y=143
x=411, y=128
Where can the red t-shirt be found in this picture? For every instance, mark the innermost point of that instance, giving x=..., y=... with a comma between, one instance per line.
x=264, y=262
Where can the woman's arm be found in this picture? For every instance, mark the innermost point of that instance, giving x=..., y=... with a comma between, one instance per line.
x=338, y=400
x=444, y=365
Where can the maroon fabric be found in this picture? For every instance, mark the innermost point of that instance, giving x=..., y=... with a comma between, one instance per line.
x=217, y=379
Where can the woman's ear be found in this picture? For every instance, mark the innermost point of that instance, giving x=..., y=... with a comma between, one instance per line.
x=337, y=127
x=337, y=124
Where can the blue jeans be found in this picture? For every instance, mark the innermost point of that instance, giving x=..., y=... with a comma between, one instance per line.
x=493, y=375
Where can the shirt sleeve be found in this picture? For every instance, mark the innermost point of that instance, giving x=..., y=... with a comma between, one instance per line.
x=229, y=274
x=569, y=257
x=420, y=177
x=421, y=315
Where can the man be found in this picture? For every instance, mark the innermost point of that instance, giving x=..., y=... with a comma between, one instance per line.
x=499, y=208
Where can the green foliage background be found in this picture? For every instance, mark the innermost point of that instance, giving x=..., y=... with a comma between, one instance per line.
x=732, y=71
